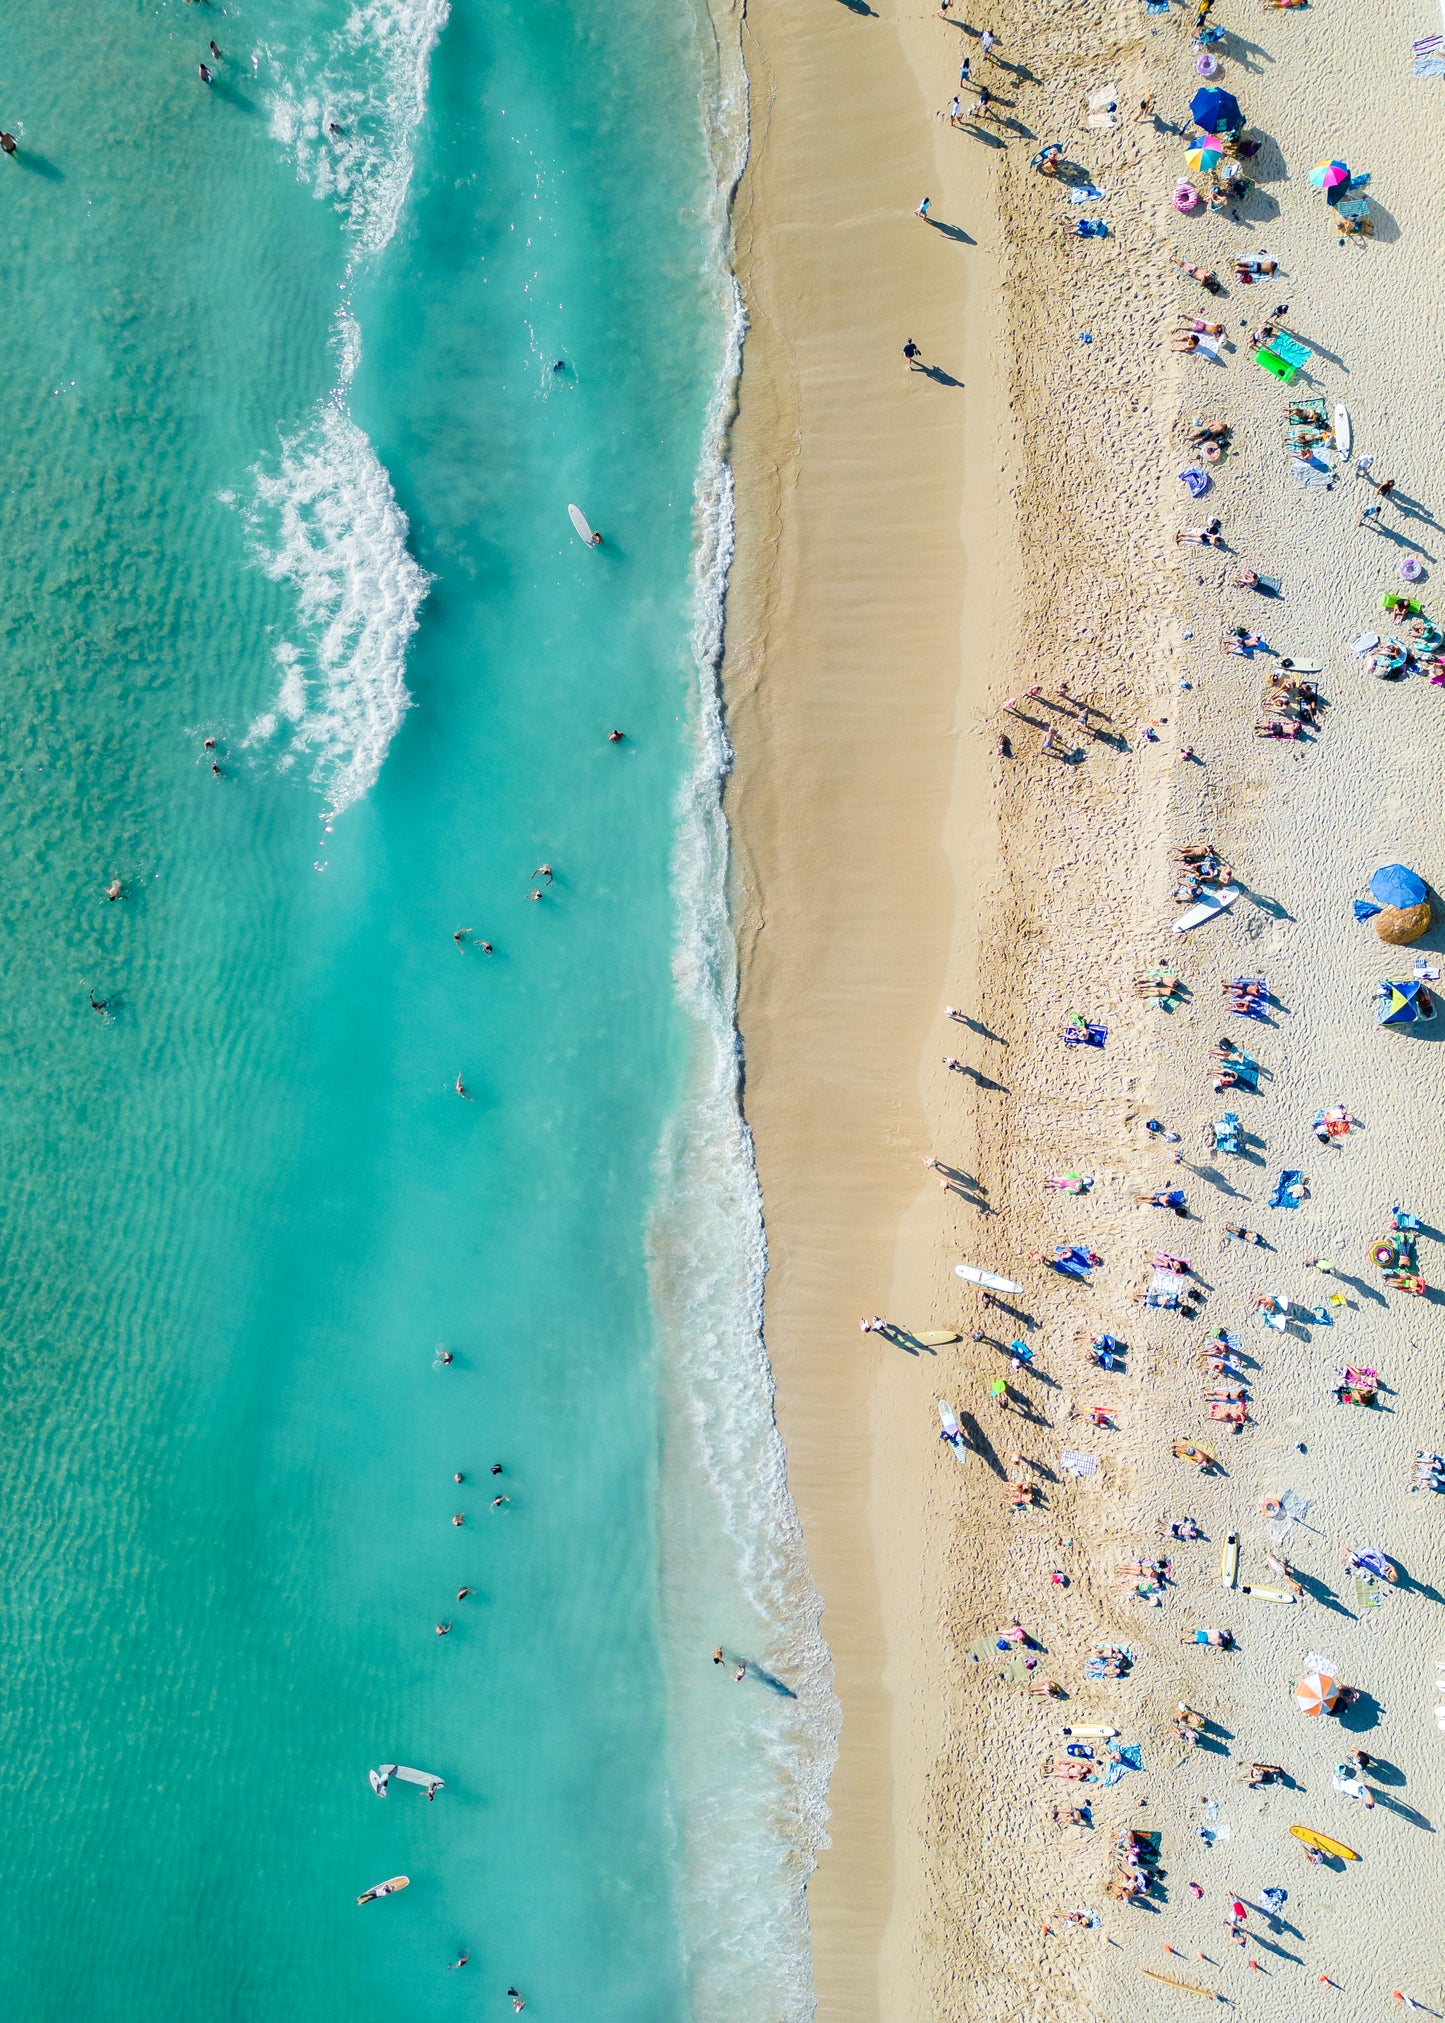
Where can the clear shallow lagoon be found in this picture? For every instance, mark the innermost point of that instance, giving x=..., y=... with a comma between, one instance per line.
x=285, y=464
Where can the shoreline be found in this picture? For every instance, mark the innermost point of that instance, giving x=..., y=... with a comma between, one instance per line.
x=869, y=538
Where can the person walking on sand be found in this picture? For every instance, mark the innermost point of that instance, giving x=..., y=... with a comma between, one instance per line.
x=955, y=111
x=914, y=355
x=923, y=209
x=985, y=43
x=965, y=70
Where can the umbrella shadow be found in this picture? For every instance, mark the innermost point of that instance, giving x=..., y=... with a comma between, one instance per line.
x=1362, y=1714
x=1386, y=227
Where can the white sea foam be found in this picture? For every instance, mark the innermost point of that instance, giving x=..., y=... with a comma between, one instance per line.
x=369, y=79
x=753, y=1765
x=324, y=518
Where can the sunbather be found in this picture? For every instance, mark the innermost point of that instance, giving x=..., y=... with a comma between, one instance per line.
x=1201, y=537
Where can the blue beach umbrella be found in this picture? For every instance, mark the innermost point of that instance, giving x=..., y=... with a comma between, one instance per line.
x=1402, y=1004
x=1215, y=110
x=1396, y=885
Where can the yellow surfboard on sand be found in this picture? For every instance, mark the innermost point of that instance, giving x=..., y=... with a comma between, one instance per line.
x=934, y=1338
x=1229, y=1561
x=1323, y=1842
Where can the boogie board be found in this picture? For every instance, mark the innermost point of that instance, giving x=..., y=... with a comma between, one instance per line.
x=579, y=520
x=989, y=1278
x=1229, y=1561
x=1217, y=902
x=1268, y=1594
x=1344, y=431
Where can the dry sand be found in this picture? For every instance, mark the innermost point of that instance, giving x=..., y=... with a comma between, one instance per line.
x=911, y=552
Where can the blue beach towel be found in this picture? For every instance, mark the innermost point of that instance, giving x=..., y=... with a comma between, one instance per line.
x=1290, y=1190
x=1092, y=228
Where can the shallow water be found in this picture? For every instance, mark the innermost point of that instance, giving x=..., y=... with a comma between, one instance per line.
x=286, y=464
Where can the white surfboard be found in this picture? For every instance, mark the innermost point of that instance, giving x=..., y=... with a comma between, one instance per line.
x=1344, y=431
x=1208, y=907
x=989, y=1278
x=1268, y=1594
x=579, y=520
x=1302, y=666
x=952, y=1431
x=1229, y=1561
x=1103, y=1730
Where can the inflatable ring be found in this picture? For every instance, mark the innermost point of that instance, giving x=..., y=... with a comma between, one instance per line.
x=1270, y=1506
x=1382, y=1254
x=1211, y=453
x=1410, y=569
x=1207, y=65
x=1186, y=197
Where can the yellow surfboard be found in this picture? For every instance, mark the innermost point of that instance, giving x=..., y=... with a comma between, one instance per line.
x=387, y=1889
x=1229, y=1561
x=934, y=1338
x=1323, y=1842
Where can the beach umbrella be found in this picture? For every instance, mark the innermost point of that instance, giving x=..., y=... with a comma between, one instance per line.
x=1215, y=110
x=1403, y=1004
x=1397, y=885
x=1316, y=1693
x=1203, y=158
x=1329, y=175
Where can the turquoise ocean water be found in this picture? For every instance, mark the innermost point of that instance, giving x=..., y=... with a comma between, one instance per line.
x=285, y=465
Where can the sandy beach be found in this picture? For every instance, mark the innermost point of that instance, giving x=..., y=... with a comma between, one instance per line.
x=913, y=551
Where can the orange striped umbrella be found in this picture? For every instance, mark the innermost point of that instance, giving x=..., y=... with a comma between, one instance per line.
x=1316, y=1693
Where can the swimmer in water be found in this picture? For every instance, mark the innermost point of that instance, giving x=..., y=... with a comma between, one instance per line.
x=216, y=53
x=596, y=540
x=205, y=74
x=517, y=2003
x=460, y=936
x=442, y=1358
x=486, y=947
x=114, y=889
x=534, y=895
x=462, y=1593
x=99, y=1004
x=460, y=1517
x=543, y=871
x=8, y=143
x=458, y=1477
x=498, y=1501
x=208, y=745
x=461, y=1088
x=559, y=365
x=496, y=1468
x=444, y=1629
x=616, y=737
x=460, y=1961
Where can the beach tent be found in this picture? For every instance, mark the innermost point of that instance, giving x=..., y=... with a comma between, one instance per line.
x=1316, y=1693
x=1396, y=885
x=1215, y=110
x=1403, y=1004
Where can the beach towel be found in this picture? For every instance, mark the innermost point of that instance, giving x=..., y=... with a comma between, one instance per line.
x=1120, y=1760
x=1081, y=1033
x=1208, y=344
x=1074, y=1463
x=1084, y=193
x=1365, y=909
x=1321, y=1316
x=1073, y=1263
x=1367, y=1595
x=1197, y=482
x=1289, y=1192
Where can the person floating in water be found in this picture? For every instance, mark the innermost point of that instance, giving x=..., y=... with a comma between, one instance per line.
x=498, y=1501
x=101, y=1005
x=460, y=1517
x=496, y=1468
x=486, y=948
x=205, y=74
x=517, y=2003
x=444, y=1629
x=114, y=889
x=460, y=1961
x=461, y=1088
x=216, y=53
x=543, y=871
x=441, y=1359
x=459, y=936
x=616, y=737
x=8, y=143
x=462, y=1593
x=559, y=365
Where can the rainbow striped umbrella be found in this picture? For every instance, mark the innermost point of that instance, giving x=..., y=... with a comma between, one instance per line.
x=1203, y=159
x=1329, y=175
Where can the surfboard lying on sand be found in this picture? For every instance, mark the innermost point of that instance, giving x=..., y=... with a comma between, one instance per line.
x=387, y=1889
x=935, y=1338
x=579, y=520
x=952, y=1431
x=1268, y=1594
x=1104, y=1730
x=1344, y=431
x=989, y=1278
x=1229, y=1561
x=1215, y=902
x=1323, y=1842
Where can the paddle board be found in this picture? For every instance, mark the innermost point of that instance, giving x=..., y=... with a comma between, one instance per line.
x=952, y=1431
x=1216, y=902
x=989, y=1278
x=1323, y=1842
x=579, y=520
x=1344, y=431
x=1268, y=1594
x=416, y=1776
x=387, y=1889
x=1229, y=1561
x=378, y=1779
x=934, y=1338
